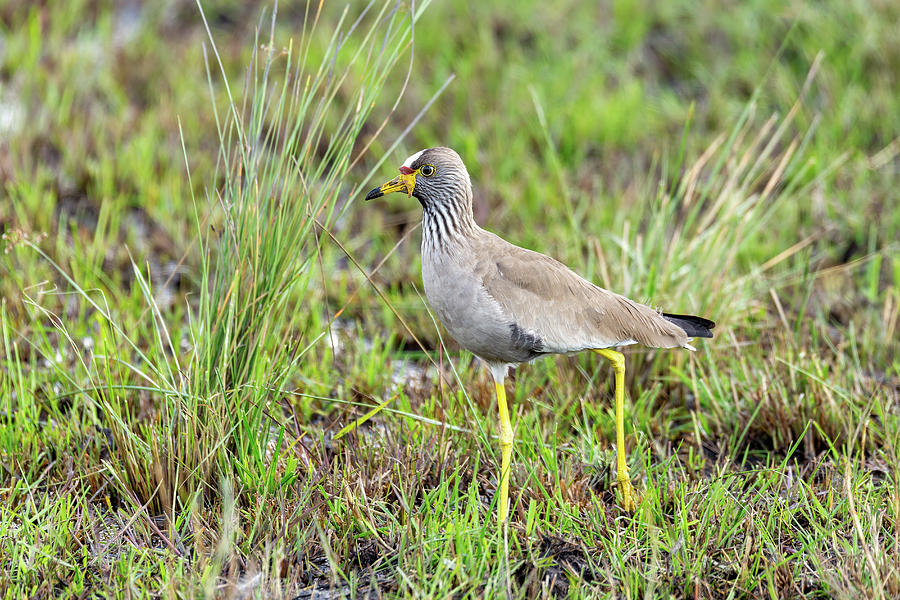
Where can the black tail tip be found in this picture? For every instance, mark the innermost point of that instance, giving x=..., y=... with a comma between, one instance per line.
x=692, y=325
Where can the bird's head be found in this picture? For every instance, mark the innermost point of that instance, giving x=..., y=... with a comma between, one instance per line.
x=433, y=176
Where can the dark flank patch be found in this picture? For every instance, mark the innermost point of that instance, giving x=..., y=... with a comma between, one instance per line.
x=523, y=340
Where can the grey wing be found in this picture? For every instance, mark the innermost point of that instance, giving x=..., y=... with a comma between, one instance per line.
x=563, y=311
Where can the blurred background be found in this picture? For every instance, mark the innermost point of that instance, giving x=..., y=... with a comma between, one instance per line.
x=605, y=96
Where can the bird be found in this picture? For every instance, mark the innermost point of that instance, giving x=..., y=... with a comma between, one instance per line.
x=509, y=305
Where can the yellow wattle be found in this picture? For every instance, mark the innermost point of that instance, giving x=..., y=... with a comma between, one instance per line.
x=409, y=181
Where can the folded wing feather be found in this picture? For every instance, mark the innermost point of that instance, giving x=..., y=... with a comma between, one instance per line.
x=547, y=299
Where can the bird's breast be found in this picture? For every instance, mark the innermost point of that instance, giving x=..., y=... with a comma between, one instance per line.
x=474, y=319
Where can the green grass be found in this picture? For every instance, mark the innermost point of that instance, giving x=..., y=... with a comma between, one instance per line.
x=194, y=304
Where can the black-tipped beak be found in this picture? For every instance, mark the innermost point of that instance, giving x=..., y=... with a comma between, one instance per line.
x=405, y=182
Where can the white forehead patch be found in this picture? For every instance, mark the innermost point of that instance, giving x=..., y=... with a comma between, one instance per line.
x=409, y=161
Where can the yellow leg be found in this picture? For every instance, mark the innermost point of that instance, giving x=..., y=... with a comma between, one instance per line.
x=506, y=443
x=618, y=363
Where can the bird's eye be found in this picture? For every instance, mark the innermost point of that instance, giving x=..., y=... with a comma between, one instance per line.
x=427, y=170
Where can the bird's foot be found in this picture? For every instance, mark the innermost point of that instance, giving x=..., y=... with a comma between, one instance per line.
x=627, y=494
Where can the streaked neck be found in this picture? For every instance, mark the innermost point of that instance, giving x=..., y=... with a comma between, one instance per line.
x=447, y=222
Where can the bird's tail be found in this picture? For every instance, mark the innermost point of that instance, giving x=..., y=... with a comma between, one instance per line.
x=693, y=326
